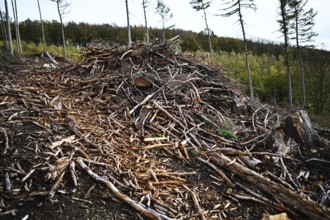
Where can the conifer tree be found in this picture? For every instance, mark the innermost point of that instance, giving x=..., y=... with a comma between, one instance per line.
x=302, y=25
x=203, y=5
x=165, y=13
x=236, y=8
x=284, y=23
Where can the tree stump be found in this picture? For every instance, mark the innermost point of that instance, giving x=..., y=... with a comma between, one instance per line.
x=298, y=126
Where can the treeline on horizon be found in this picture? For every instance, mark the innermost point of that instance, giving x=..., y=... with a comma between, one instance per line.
x=266, y=57
x=83, y=33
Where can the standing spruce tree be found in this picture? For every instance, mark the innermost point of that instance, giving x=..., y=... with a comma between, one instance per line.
x=302, y=25
x=62, y=9
x=203, y=5
x=284, y=23
x=129, y=36
x=165, y=13
x=235, y=8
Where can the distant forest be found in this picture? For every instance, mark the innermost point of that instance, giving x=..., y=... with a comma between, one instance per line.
x=266, y=58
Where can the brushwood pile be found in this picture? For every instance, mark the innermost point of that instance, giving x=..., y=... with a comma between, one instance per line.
x=148, y=133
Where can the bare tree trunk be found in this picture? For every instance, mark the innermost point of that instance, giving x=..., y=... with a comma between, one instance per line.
x=286, y=46
x=164, y=35
x=10, y=40
x=301, y=66
x=42, y=28
x=145, y=20
x=19, y=35
x=246, y=49
x=287, y=64
x=208, y=33
x=4, y=31
x=129, y=38
x=302, y=75
x=18, y=38
x=62, y=27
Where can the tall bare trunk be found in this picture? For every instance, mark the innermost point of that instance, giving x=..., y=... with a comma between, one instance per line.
x=301, y=66
x=129, y=38
x=4, y=31
x=62, y=27
x=145, y=20
x=208, y=33
x=286, y=46
x=42, y=28
x=246, y=49
x=287, y=64
x=10, y=40
x=18, y=37
x=302, y=75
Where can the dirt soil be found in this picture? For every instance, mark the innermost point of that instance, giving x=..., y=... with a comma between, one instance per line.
x=112, y=112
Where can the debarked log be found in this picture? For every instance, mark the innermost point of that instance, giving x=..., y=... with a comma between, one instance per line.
x=279, y=192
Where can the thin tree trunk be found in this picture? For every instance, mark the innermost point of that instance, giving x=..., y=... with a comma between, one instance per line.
x=19, y=35
x=286, y=45
x=208, y=32
x=246, y=49
x=302, y=75
x=301, y=66
x=145, y=21
x=4, y=31
x=42, y=28
x=10, y=40
x=62, y=27
x=129, y=38
x=18, y=39
x=287, y=64
x=163, y=21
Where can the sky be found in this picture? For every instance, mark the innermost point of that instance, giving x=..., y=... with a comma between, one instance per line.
x=260, y=24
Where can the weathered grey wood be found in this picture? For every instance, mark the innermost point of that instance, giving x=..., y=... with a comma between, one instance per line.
x=279, y=192
x=299, y=127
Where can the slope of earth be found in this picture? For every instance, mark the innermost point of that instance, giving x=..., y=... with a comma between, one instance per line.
x=146, y=133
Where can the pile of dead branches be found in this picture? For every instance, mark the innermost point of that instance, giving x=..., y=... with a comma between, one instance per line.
x=171, y=137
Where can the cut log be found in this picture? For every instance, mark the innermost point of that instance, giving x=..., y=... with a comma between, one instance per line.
x=51, y=59
x=279, y=192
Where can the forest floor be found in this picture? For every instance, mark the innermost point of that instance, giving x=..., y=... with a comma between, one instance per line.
x=138, y=134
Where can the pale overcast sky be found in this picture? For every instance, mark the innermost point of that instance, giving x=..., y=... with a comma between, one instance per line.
x=259, y=25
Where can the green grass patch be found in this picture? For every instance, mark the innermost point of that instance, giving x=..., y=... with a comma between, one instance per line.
x=227, y=134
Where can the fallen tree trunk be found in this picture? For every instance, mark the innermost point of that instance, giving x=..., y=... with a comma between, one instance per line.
x=279, y=192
